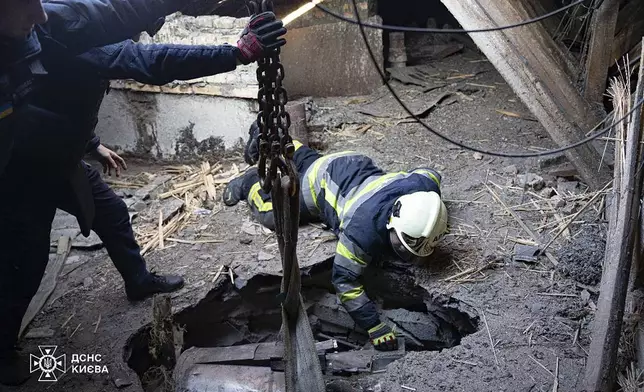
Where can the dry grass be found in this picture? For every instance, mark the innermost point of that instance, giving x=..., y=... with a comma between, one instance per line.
x=631, y=380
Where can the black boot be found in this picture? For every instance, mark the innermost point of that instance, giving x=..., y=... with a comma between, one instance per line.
x=153, y=284
x=251, y=151
x=14, y=369
x=239, y=187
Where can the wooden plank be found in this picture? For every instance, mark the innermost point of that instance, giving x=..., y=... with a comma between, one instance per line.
x=521, y=57
x=600, y=368
x=48, y=283
x=630, y=28
x=543, y=31
x=600, y=49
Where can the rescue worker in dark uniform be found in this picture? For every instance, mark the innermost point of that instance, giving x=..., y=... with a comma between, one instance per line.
x=45, y=129
x=373, y=213
x=88, y=78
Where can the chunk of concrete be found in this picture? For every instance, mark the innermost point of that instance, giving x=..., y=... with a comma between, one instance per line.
x=146, y=191
x=170, y=208
x=91, y=242
x=531, y=180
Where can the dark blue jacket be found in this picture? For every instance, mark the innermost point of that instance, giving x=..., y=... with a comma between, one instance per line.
x=354, y=197
x=88, y=75
x=35, y=124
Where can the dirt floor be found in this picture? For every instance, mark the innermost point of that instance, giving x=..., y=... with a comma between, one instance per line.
x=533, y=317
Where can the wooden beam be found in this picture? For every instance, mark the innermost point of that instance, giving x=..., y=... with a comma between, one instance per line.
x=48, y=283
x=630, y=28
x=600, y=368
x=522, y=57
x=529, y=9
x=600, y=49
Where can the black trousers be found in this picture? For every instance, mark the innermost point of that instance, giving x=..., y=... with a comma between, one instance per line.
x=26, y=214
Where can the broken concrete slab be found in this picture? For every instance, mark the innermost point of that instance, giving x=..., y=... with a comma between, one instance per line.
x=40, y=333
x=136, y=205
x=511, y=170
x=170, y=208
x=329, y=310
x=531, y=180
x=89, y=243
x=147, y=191
x=568, y=187
x=423, y=328
x=263, y=256
x=121, y=383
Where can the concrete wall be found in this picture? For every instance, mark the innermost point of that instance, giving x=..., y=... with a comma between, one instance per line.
x=170, y=126
x=331, y=59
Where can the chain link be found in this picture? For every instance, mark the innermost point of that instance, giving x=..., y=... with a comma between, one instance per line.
x=275, y=143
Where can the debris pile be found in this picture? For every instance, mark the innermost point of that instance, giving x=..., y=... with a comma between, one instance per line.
x=182, y=192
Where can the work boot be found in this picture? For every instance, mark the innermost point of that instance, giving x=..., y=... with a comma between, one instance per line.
x=14, y=369
x=251, y=151
x=239, y=187
x=153, y=284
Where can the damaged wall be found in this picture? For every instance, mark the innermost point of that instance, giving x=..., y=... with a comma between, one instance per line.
x=171, y=126
x=326, y=57
x=183, y=120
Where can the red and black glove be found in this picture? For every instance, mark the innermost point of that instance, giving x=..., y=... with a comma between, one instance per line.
x=261, y=35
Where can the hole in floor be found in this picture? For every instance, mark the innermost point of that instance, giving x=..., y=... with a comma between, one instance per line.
x=239, y=326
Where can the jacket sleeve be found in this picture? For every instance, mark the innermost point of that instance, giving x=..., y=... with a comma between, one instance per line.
x=158, y=64
x=93, y=144
x=83, y=24
x=348, y=265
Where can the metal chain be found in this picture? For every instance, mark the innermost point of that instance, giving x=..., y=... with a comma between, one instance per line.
x=275, y=143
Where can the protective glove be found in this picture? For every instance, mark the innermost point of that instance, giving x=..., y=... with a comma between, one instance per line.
x=383, y=337
x=260, y=36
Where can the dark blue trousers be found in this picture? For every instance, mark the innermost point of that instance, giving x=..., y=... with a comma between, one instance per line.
x=26, y=214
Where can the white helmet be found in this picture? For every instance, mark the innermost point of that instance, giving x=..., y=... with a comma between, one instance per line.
x=417, y=222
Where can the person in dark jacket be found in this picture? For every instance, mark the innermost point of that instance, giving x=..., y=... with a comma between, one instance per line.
x=88, y=77
x=46, y=120
x=373, y=213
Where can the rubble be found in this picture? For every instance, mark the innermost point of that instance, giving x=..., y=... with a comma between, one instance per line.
x=511, y=170
x=531, y=180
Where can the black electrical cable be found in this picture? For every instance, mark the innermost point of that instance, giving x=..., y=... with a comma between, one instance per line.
x=447, y=31
x=475, y=149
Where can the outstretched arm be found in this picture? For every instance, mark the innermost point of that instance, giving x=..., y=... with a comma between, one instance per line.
x=158, y=64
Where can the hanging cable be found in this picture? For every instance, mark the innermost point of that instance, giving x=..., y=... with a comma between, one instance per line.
x=357, y=21
x=471, y=148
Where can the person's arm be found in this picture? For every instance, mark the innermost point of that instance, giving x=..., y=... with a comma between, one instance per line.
x=348, y=265
x=158, y=64
x=93, y=144
x=83, y=24
x=107, y=158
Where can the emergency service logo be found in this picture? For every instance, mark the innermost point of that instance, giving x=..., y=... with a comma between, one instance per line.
x=51, y=366
x=48, y=364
